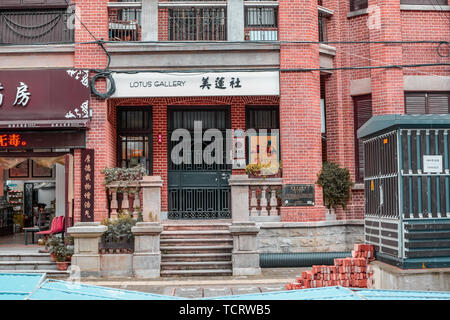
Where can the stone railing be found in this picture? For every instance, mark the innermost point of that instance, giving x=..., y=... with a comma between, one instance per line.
x=144, y=262
x=129, y=201
x=255, y=199
x=141, y=196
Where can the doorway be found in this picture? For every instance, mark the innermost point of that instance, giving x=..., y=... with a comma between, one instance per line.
x=198, y=190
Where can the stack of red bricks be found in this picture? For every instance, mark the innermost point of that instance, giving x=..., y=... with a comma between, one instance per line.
x=352, y=272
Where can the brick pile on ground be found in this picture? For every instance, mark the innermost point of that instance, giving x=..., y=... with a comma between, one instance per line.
x=352, y=272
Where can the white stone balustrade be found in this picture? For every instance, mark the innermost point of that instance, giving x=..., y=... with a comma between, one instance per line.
x=263, y=202
x=150, y=199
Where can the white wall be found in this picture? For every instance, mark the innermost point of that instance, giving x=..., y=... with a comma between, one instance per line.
x=60, y=190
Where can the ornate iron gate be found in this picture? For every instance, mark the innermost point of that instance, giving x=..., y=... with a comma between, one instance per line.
x=198, y=191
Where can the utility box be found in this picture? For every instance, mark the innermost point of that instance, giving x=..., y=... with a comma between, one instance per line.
x=407, y=189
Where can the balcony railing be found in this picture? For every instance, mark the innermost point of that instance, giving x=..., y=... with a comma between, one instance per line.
x=261, y=23
x=124, y=21
x=197, y=24
x=36, y=27
x=202, y=20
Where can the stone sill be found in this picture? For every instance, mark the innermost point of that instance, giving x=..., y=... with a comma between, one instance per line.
x=37, y=48
x=414, y=7
x=327, y=49
x=357, y=13
x=190, y=46
x=279, y=225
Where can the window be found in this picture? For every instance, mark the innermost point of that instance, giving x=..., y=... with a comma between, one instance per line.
x=268, y=118
x=363, y=112
x=358, y=4
x=427, y=102
x=134, y=137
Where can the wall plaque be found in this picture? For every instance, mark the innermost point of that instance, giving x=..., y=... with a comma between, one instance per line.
x=87, y=185
x=295, y=195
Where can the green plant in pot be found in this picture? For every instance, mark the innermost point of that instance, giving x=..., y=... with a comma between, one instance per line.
x=52, y=245
x=336, y=184
x=61, y=254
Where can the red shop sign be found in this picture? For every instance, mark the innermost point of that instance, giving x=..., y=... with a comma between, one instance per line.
x=44, y=98
x=42, y=139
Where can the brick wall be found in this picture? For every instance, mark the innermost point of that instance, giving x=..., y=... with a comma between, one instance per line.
x=300, y=91
x=300, y=105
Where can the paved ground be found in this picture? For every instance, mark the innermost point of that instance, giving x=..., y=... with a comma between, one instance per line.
x=271, y=279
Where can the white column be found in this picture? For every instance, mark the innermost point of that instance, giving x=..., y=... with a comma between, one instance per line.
x=149, y=20
x=235, y=20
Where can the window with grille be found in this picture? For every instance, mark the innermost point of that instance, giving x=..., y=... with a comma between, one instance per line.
x=362, y=113
x=358, y=4
x=134, y=137
x=267, y=118
x=427, y=102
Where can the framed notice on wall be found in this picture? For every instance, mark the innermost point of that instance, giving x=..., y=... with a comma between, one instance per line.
x=39, y=171
x=20, y=171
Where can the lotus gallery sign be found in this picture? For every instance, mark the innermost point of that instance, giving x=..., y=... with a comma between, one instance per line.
x=158, y=84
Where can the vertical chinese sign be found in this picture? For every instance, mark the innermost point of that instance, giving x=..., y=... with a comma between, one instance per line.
x=87, y=185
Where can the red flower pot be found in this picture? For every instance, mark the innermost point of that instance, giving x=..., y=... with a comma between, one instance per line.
x=52, y=257
x=62, y=266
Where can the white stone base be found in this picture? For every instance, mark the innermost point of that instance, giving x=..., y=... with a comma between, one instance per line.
x=246, y=271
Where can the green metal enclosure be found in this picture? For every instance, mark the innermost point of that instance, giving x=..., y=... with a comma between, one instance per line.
x=407, y=189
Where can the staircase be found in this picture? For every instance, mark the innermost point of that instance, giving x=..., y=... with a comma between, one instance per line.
x=196, y=248
x=30, y=263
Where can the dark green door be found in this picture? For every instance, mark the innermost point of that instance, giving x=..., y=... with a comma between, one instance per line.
x=198, y=191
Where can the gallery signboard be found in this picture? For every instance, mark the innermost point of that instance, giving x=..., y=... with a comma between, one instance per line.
x=158, y=84
x=44, y=98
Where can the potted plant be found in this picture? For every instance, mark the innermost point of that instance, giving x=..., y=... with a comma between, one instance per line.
x=269, y=169
x=336, y=184
x=52, y=244
x=61, y=254
x=118, y=238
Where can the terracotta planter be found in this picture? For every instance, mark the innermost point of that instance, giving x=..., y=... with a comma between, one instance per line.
x=62, y=266
x=52, y=257
x=69, y=259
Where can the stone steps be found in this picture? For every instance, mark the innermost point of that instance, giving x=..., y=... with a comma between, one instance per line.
x=187, y=234
x=195, y=257
x=15, y=262
x=196, y=265
x=24, y=257
x=195, y=226
x=194, y=248
x=27, y=265
x=197, y=242
x=55, y=274
x=193, y=273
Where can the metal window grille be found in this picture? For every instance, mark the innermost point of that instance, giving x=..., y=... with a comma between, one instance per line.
x=261, y=24
x=34, y=27
x=197, y=24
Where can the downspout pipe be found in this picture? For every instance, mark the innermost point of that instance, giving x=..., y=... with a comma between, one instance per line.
x=303, y=259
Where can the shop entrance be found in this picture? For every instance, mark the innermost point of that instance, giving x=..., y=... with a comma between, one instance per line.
x=35, y=187
x=198, y=190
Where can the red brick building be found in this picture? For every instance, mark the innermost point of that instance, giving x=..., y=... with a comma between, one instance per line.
x=354, y=58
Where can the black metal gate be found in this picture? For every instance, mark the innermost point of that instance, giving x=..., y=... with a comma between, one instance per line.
x=198, y=190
